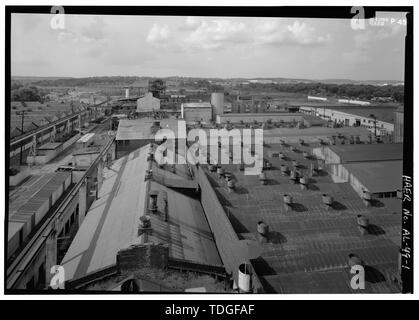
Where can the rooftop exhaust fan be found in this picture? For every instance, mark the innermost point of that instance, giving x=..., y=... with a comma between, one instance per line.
x=354, y=260
x=327, y=200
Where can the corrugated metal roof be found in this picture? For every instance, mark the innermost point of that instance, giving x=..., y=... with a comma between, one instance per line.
x=39, y=190
x=369, y=152
x=382, y=176
x=112, y=222
x=309, y=245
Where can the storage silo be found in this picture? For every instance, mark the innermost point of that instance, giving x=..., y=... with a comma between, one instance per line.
x=217, y=102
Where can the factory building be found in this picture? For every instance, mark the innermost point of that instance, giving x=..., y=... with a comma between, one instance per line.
x=197, y=111
x=148, y=103
x=356, y=102
x=347, y=119
x=141, y=224
x=376, y=168
x=136, y=133
x=398, y=125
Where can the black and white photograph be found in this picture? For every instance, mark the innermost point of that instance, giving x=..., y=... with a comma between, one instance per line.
x=208, y=150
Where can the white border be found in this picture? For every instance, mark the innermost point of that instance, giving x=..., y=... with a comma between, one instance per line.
x=168, y=297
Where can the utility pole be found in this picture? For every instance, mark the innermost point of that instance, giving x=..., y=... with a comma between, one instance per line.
x=22, y=114
x=375, y=125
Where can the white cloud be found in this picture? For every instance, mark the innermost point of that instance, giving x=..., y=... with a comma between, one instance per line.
x=159, y=35
x=275, y=32
x=191, y=23
x=214, y=34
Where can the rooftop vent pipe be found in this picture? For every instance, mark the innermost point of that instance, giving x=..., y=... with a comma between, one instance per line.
x=304, y=183
x=245, y=276
x=284, y=169
x=230, y=184
x=287, y=199
x=145, y=222
x=363, y=224
x=220, y=172
x=293, y=176
x=148, y=174
x=327, y=200
x=366, y=197
x=354, y=260
x=262, y=178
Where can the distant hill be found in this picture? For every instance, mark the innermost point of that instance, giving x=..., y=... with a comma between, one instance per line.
x=142, y=81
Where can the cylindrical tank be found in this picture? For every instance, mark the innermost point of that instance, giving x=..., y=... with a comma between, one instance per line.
x=217, y=102
x=127, y=93
x=244, y=278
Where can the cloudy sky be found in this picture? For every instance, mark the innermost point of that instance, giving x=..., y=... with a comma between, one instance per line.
x=205, y=47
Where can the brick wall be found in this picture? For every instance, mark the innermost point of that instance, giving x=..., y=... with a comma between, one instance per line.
x=146, y=255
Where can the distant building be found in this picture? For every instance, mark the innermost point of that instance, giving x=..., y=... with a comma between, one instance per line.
x=398, y=125
x=357, y=102
x=148, y=103
x=196, y=111
x=376, y=168
x=136, y=133
x=316, y=98
x=345, y=118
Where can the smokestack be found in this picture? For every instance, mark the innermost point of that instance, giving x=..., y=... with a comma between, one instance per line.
x=217, y=102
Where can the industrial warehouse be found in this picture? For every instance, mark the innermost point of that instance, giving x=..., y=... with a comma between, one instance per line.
x=153, y=184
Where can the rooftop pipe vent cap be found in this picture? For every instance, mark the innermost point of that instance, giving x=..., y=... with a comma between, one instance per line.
x=354, y=260
x=327, y=199
x=362, y=221
x=145, y=221
x=262, y=228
